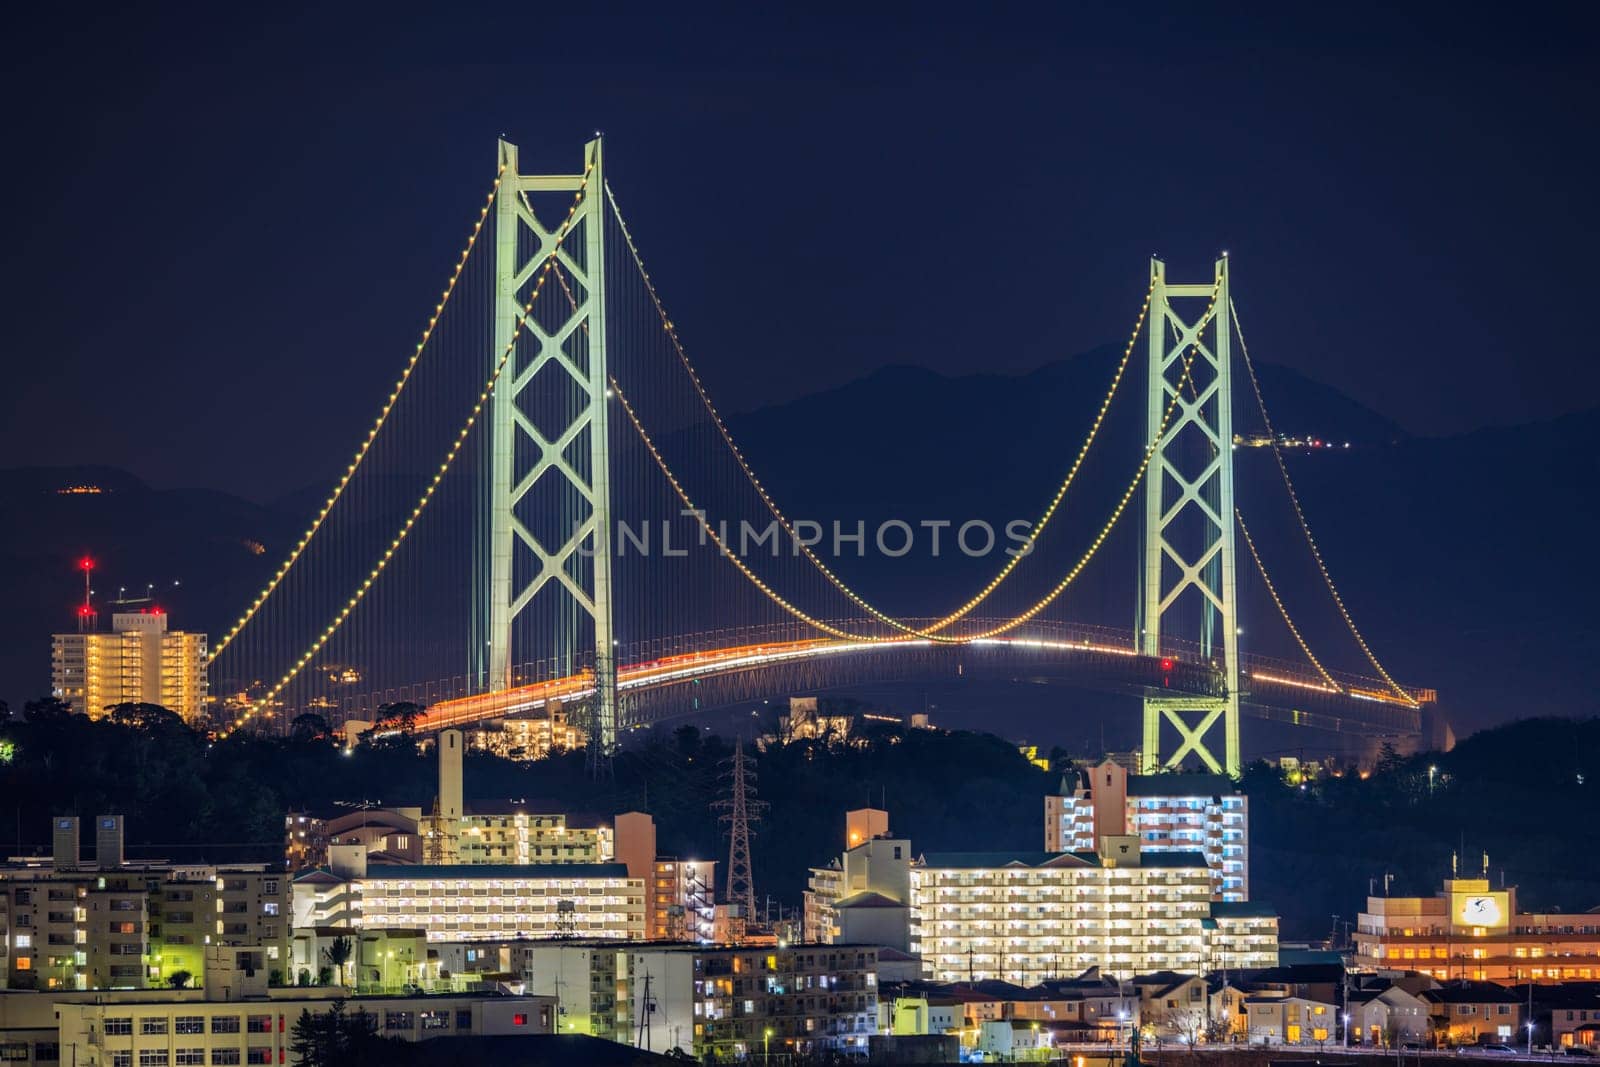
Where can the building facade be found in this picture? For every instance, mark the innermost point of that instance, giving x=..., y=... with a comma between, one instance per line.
x=723, y=1002
x=139, y=662
x=874, y=870
x=1470, y=931
x=105, y=924
x=475, y=902
x=532, y=735
x=1028, y=918
x=1202, y=813
x=237, y=1019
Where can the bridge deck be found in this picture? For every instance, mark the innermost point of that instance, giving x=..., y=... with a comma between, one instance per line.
x=1089, y=655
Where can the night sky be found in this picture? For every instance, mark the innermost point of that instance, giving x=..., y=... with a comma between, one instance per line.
x=225, y=232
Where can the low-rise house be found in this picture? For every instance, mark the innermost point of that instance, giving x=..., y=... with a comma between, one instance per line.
x=1472, y=1013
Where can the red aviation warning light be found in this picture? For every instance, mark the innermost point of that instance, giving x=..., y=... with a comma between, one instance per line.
x=1166, y=672
x=86, y=609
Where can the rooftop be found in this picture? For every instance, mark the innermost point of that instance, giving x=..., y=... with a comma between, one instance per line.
x=998, y=860
x=1180, y=785
x=1244, y=909
x=421, y=872
x=868, y=900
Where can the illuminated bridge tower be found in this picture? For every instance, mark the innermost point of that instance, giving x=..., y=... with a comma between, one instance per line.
x=548, y=553
x=1187, y=579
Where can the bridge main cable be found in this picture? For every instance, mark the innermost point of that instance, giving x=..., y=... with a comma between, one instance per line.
x=800, y=543
x=1283, y=611
x=1305, y=527
x=432, y=487
x=372, y=433
x=911, y=633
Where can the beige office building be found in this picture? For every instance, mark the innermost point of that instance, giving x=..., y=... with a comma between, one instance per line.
x=139, y=662
x=1471, y=931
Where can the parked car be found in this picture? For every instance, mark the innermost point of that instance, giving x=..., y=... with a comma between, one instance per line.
x=1579, y=1050
x=1497, y=1048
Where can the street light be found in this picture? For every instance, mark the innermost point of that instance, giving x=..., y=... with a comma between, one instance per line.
x=1530, y=1037
x=1346, y=1029
x=766, y=1042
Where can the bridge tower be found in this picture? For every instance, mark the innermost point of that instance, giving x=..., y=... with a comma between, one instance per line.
x=1188, y=587
x=548, y=553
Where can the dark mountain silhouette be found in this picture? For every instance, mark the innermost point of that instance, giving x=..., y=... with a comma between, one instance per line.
x=1459, y=557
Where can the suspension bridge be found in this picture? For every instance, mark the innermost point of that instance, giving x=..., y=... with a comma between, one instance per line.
x=550, y=510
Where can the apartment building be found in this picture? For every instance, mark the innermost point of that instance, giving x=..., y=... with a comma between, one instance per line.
x=1470, y=931
x=108, y=924
x=1202, y=813
x=1469, y=1012
x=236, y=1018
x=512, y=834
x=1027, y=917
x=864, y=896
x=139, y=662
x=532, y=735
x=713, y=1001
x=468, y=902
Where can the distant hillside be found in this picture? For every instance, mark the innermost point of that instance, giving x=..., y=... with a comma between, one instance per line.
x=1460, y=557
x=216, y=545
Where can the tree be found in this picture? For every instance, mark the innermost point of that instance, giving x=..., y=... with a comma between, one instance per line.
x=309, y=726
x=148, y=718
x=47, y=711
x=337, y=954
x=401, y=715
x=337, y=1038
x=687, y=740
x=179, y=979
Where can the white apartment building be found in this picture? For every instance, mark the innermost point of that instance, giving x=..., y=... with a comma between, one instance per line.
x=1202, y=813
x=139, y=662
x=1026, y=918
x=474, y=902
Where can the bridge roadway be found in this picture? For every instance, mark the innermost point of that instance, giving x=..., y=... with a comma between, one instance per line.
x=738, y=666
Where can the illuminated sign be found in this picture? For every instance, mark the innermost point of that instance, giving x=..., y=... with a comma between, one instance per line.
x=1480, y=909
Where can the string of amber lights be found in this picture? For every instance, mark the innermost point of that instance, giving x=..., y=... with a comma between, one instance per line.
x=1151, y=450
x=1305, y=527
x=772, y=507
x=1105, y=531
x=716, y=539
x=1276, y=599
x=433, y=485
x=372, y=433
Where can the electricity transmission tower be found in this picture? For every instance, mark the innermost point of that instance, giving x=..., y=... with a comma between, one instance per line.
x=739, y=809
